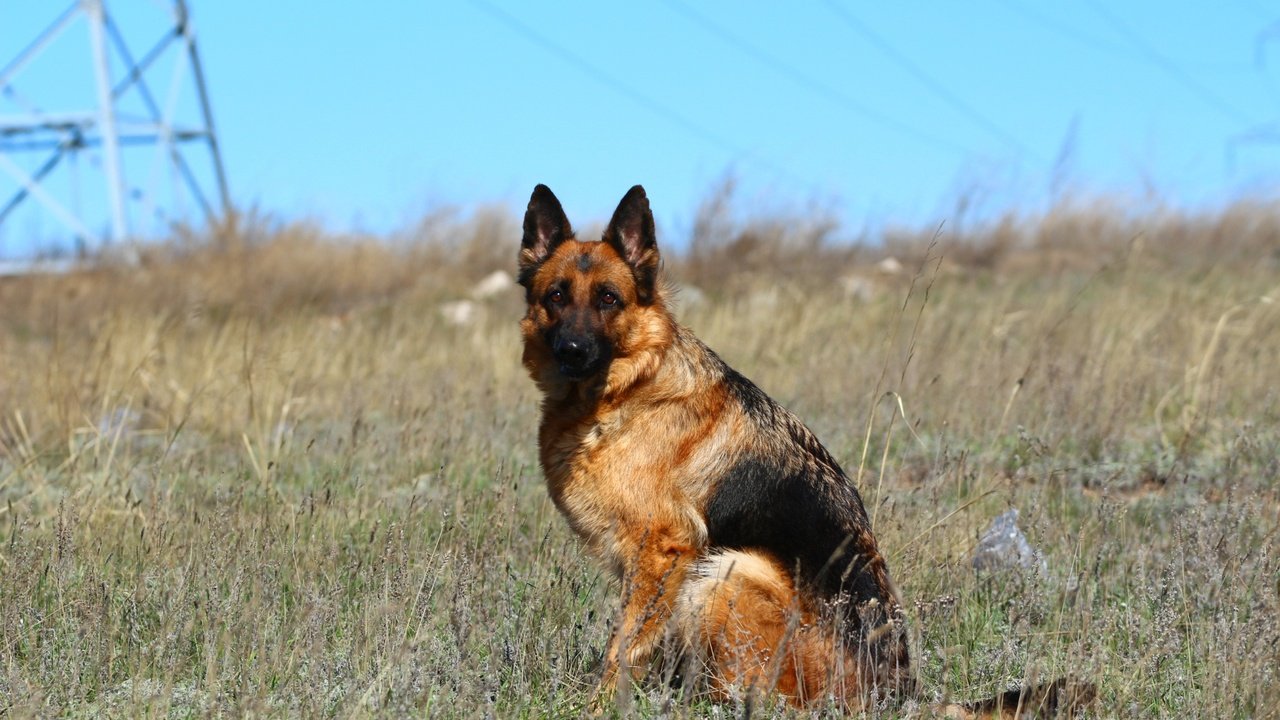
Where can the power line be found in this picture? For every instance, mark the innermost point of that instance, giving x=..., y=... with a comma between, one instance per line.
x=807, y=81
x=1092, y=41
x=1065, y=30
x=931, y=83
x=1164, y=63
x=622, y=88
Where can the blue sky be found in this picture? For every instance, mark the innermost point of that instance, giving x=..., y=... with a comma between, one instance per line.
x=369, y=116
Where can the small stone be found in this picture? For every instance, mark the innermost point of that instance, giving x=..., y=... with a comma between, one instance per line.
x=459, y=312
x=1003, y=546
x=493, y=284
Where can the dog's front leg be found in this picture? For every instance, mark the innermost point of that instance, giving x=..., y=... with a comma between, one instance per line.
x=654, y=568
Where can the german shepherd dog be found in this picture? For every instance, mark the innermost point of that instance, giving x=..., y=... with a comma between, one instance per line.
x=735, y=534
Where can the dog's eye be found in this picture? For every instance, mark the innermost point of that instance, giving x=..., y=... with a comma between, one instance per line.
x=608, y=299
x=556, y=297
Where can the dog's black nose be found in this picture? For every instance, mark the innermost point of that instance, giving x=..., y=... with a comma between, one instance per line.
x=578, y=355
x=572, y=350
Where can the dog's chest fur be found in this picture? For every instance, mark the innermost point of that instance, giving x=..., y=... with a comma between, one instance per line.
x=608, y=496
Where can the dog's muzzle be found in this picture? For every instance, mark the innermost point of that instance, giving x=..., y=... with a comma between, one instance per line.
x=579, y=356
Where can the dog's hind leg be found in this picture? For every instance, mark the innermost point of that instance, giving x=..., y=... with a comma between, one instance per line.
x=740, y=616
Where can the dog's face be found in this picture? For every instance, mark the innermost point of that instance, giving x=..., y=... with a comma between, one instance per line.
x=586, y=299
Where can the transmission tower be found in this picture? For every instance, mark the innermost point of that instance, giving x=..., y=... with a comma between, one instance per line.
x=120, y=111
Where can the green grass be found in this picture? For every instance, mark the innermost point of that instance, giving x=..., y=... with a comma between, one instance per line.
x=274, y=481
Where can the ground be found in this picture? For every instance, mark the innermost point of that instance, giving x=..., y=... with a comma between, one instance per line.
x=267, y=474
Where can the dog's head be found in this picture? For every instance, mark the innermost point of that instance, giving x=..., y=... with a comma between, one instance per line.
x=588, y=301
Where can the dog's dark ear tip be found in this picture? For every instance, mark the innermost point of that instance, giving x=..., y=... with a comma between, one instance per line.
x=545, y=226
x=635, y=197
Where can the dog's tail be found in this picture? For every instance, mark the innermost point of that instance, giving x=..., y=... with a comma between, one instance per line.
x=1061, y=698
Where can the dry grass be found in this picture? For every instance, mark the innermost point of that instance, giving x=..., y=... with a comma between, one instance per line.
x=274, y=479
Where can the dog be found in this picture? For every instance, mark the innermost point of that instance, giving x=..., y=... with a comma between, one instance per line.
x=736, y=536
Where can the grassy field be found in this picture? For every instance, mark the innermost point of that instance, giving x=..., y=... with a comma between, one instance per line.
x=275, y=479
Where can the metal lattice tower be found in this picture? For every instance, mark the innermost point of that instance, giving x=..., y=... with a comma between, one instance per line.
x=103, y=125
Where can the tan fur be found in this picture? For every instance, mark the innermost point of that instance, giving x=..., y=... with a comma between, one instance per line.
x=626, y=472
x=741, y=617
x=628, y=463
x=649, y=438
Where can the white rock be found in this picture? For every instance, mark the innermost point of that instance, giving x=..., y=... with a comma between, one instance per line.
x=889, y=266
x=856, y=287
x=493, y=284
x=1003, y=546
x=459, y=312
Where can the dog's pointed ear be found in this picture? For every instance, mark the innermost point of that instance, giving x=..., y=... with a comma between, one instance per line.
x=545, y=227
x=632, y=235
